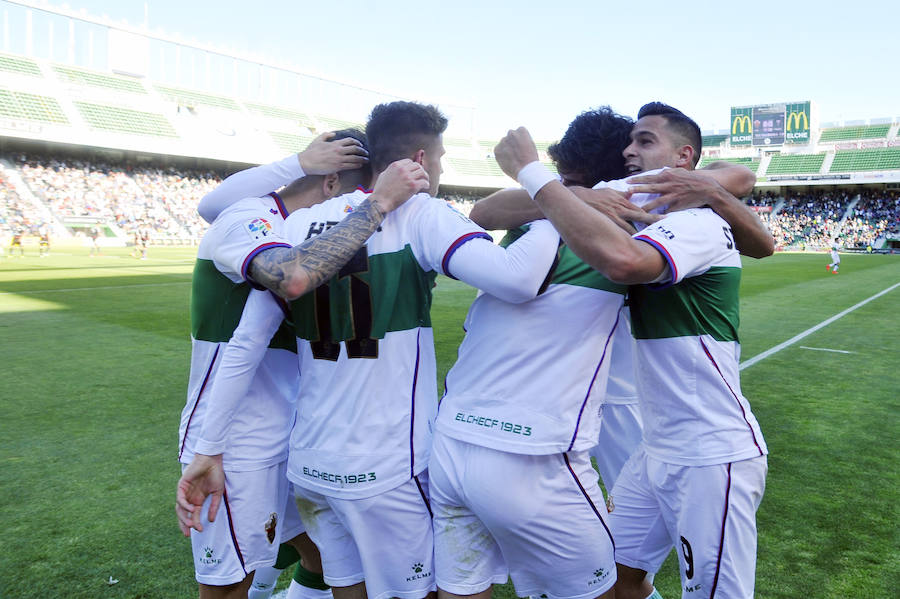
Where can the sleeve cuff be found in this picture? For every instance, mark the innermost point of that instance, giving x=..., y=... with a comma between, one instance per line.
x=534, y=176
x=209, y=447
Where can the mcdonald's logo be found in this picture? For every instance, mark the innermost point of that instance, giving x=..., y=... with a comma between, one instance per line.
x=741, y=122
x=793, y=121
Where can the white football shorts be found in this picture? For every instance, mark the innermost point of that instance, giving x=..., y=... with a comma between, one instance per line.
x=247, y=530
x=708, y=513
x=385, y=540
x=538, y=517
x=620, y=435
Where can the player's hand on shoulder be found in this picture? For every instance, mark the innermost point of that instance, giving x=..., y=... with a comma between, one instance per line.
x=678, y=188
x=399, y=182
x=203, y=477
x=515, y=151
x=615, y=205
x=323, y=157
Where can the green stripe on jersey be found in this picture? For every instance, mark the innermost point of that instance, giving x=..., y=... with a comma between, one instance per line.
x=703, y=305
x=369, y=297
x=217, y=303
x=569, y=269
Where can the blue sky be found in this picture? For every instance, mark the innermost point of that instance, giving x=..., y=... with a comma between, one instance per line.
x=539, y=64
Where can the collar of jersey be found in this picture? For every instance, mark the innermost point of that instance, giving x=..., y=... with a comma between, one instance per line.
x=280, y=203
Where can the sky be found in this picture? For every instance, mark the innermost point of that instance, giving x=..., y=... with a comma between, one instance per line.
x=540, y=64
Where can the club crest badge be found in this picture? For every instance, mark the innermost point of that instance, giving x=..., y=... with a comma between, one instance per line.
x=270, y=526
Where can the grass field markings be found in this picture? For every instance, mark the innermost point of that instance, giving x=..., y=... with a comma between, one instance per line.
x=837, y=351
x=93, y=288
x=811, y=330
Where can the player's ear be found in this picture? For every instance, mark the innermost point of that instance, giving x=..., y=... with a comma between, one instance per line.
x=331, y=185
x=419, y=157
x=685, y=157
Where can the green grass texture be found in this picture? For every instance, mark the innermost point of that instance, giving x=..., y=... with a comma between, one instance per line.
x=95, y=358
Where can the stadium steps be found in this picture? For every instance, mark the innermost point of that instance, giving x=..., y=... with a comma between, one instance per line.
x=777, y=207
x=826, y=164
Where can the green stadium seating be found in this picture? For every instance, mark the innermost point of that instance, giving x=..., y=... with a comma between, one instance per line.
x=751, y=163
x=790, y=164
x=192, y=98
x=23, y=66
x=460, y=142
x=711, y=141
x=334, y=124
x=125, y=120
x=482, y=168
x=853, y=133
x=289, y=142
x=94, y=79
x=31, y=107
x=276, y=112
x=542, y=145
x=876, y=159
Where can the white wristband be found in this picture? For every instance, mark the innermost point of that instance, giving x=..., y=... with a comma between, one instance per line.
x=534, y=176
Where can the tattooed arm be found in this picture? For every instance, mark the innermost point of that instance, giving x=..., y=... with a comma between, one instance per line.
x=291, y=272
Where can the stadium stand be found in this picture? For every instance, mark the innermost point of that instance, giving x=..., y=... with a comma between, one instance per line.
x=834, y=134
x=783, y=164
x=751, y=163
x=113, y=118
x=31, y=107
x=481, y=168
x=94, y=79
x=289, y=142
x=19, y=65
x=186, y=97
x=711, y=141
x=876, y=159
x=276, y=112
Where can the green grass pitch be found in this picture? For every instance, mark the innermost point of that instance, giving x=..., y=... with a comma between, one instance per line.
x=95, y=359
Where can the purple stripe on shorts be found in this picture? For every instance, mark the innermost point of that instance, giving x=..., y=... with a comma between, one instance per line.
x=715, y=583
x=234, y=541
x=424, y=497
x=593, y=380
x=412, y=418
x=588, y=498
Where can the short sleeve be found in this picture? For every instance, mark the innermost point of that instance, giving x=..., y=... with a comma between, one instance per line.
x=437, y=230
x=244, y=233
x=691, y=241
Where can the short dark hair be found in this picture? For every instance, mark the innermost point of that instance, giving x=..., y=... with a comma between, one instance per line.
x=593, y=145
x=681, y=124
x=358, y=177
x=350, y=179
x=398, y=129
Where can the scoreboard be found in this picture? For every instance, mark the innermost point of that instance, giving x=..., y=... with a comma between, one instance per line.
x=770, y=124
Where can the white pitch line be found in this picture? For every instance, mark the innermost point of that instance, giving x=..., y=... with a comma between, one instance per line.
x=837, y=351
x=810, y=331
x=93, y=288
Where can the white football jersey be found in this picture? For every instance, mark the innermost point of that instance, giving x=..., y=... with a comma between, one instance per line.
x=260, y=429
x=368, y=399
x=687, y=346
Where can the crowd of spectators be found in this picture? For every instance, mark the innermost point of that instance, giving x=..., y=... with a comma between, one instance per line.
x=822, y=219
x=162, y=201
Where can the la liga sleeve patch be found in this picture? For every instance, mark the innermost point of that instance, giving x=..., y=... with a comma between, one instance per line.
x=259, y=229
